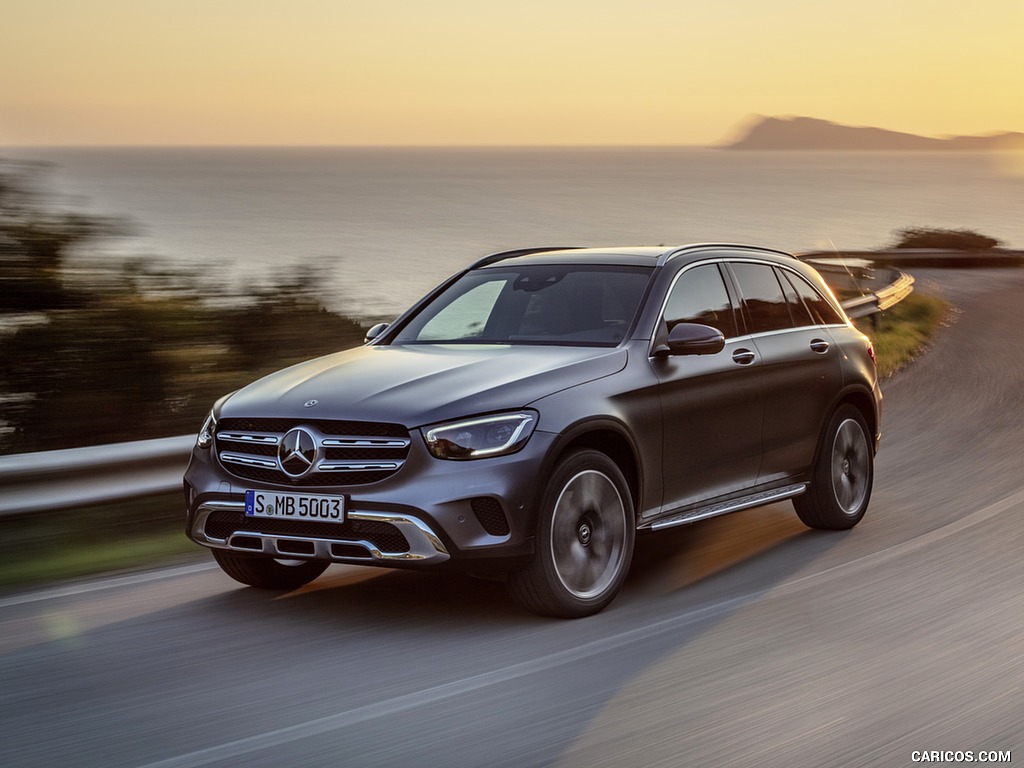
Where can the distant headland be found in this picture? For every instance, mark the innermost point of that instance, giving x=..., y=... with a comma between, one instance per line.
x=811, y=133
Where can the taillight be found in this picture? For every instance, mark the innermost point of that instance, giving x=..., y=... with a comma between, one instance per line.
x=871, y=353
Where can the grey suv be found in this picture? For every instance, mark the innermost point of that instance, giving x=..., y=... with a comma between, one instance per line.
x=535, y=412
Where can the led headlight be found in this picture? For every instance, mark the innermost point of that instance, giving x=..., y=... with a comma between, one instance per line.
x=481, y=437
x=205, y=437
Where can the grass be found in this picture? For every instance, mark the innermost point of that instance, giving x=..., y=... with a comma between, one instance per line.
x=904, y=331
x=54, y=546
x=57, y=564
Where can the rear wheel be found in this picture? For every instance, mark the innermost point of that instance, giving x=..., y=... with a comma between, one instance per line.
x=584, y=540
x=266, y=572
x=843, y=475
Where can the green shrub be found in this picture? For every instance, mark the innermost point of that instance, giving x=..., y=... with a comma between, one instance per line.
x=904, y=331
x=944, y=239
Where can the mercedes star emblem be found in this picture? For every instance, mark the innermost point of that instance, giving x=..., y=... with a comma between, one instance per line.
x=297, y=453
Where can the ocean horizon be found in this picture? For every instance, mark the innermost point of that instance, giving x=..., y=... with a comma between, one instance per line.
x=385, y=224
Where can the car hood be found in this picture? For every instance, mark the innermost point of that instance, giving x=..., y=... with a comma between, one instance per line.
x=422, y=384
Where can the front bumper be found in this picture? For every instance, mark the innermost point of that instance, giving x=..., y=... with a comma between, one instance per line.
x=422, y=546
x=429, y=512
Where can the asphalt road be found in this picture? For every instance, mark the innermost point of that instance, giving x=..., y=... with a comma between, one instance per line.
x=744, y=640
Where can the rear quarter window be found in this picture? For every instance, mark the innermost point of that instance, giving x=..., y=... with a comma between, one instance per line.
x=821, y=309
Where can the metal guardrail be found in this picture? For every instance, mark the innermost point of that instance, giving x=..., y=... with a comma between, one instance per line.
x=844, y=272
x=914, y=258
x=73, y=477
x=880, y=300
x=895, y=292
x=53, y=480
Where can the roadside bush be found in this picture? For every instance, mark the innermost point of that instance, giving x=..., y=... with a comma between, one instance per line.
x=904, y=331
x=944, y=239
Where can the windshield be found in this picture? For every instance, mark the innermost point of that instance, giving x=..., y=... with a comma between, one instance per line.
x=532, y=304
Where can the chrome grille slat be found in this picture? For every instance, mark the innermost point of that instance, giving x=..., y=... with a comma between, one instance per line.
x=353, y=466
x=249, y=461
x=364, y=442
x=250, y=437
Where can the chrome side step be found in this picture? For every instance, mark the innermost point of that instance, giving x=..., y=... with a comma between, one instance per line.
x=725, y=507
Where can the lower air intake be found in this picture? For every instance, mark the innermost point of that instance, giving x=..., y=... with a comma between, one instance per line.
x=491, y=516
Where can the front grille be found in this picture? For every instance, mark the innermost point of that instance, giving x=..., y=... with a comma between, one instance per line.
x=491, y=516
x=384, y=536
x=346, y=452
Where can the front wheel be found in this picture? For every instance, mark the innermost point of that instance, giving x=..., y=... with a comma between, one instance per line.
x=843, y=474
x=584, y=540
x=266, y=572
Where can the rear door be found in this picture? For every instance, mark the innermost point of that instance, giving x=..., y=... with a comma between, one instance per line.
x=801, y=366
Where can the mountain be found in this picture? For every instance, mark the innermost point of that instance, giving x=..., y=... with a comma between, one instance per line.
x=811, y=133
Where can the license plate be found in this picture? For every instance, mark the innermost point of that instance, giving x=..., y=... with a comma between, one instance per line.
x=295, y=506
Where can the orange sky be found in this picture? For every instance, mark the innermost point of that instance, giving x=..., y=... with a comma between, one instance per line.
x=464, y=72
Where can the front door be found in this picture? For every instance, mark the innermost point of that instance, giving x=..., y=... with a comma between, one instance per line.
x=712, y=405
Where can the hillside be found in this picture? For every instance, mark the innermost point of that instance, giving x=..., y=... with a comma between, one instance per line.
x=811, y=133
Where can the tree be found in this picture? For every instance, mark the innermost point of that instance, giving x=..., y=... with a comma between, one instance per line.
x=35, y=243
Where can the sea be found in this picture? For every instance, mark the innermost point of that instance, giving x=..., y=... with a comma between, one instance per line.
x=381, y=226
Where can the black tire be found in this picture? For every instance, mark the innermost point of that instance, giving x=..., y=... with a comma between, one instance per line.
x=266, y=572
x=843, y=474
x=584, y=540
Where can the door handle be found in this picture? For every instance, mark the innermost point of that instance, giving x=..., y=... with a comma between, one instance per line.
x=743, y=356
x=819, y=345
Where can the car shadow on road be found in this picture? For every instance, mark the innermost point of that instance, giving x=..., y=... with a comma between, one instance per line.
x=734, y=553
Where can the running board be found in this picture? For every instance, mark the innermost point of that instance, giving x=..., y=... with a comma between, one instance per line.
x=725, y=507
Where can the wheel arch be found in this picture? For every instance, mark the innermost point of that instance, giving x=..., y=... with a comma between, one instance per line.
x=864, y=403
x=606, y=436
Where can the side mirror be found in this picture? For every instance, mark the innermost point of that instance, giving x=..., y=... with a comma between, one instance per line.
x=692, y=339
x=375, y=332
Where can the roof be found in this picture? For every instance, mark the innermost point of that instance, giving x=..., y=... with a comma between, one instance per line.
x=628, y=255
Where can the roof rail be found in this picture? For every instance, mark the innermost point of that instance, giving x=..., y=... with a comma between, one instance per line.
x=672, y=253
x=502, y=255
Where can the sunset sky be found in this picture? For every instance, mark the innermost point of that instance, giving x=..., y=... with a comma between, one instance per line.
x=466, y=72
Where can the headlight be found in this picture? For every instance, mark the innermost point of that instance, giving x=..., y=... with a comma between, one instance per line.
x=205, y=438
x=481, y=437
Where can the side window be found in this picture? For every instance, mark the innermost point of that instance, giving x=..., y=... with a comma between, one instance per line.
x=820, y=308
x=767, y=309
x=801, y=315
x=699, y=296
